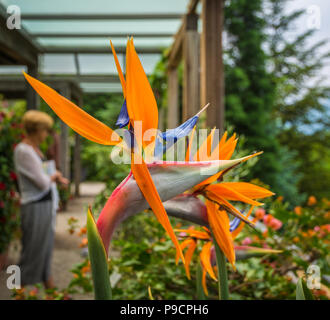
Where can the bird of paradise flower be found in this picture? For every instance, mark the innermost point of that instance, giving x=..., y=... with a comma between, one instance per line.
x=207, y=254
x=214, y=212
x=150, y=182
x=218, y=194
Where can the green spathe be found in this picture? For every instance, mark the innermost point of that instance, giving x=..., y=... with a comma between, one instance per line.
x=302, y=292
x=99, y=261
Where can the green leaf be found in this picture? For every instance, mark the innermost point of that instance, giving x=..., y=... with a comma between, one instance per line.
x=99, y=261
x=302, y=292
x=222, y=272
x=199, y=286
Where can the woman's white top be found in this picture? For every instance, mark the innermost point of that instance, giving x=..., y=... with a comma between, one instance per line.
x=33, y=181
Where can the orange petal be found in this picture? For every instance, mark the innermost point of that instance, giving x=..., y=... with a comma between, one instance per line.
x=228, y=206
x=228, y=149
x=215, y=155
x=208, y=181
x=223, y=139
x=141, y=103
x=194, y=233
x=204, y=152
x=183, y=245
x=205, y=257
x=76, y=118
x=225, y=149
x=248, y=190
x=219, y=174
x=191, y=139
x=144, y=181
x=188, y=256
x=224, y=190
x=238, y=230
x=245, y=159
x=219, y=223
x=204, y=282
x=120, y=73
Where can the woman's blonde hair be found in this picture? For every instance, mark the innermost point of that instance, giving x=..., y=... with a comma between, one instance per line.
x=34, y=120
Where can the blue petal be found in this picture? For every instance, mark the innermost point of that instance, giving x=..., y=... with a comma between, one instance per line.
x=234, y=224
x=123, y=118
x=159, y=148
x=181, y=131
x=171, y=136
x=129, y=138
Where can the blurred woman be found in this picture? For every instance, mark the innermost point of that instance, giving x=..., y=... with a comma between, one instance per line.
x=36, y=200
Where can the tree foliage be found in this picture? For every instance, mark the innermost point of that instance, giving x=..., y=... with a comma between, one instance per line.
x=275, y=97
x=301, y=100
x=251, y=92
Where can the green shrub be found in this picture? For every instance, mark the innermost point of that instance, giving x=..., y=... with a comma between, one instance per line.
x=11, y=133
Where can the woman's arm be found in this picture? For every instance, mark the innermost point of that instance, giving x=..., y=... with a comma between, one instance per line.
x=27, y=163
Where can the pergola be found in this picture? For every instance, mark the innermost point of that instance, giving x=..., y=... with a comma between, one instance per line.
x=66, y=44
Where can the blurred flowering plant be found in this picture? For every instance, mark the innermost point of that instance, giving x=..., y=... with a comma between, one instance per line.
x=81, y=282
x=11, y=133
x=148, y=259
x=302, y=233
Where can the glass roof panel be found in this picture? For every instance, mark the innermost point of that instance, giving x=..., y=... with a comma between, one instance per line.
x=104, y=42
x=100, y=87
x=39, y=25
x=128, y=27
x=76, y=30
x=149, y=62
x=100, y=6
x=57, y=64
x=100, y=63
x=12, y=69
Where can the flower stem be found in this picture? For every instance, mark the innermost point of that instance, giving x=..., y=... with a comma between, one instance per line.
x=199, y=286
x=222, y=272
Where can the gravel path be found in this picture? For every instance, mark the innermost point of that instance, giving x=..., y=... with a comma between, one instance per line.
x=67, y=252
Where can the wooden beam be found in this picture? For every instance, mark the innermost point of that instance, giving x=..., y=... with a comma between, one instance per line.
x=55, y=78
x=77, y=157
x=212, y=72
x=191, y=85
x=17, y=85
x=79, y=16
x=13, y=95
x=15, y=44
x=192, y=6
x=16, y=48
x=175, y=52
x=5, y=59
x=65, y=149
x=161, y=121
x=13, y=85
x=110, y=78
x=32, y=98
x=77, y=164
x=173, y=99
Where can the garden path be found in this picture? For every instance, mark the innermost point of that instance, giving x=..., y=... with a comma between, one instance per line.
x=67, y=251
